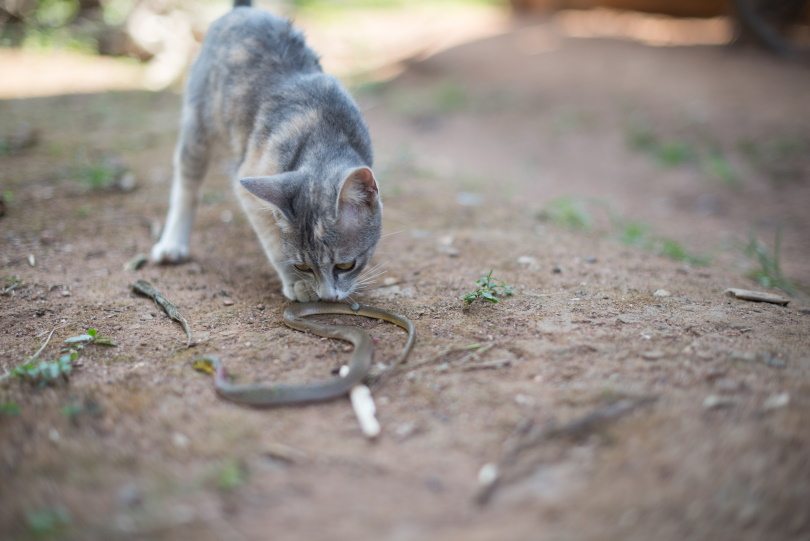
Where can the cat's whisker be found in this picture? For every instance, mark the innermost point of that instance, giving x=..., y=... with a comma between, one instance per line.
x=391, y=234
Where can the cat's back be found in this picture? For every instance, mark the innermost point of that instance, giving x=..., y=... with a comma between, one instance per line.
x=252, y=43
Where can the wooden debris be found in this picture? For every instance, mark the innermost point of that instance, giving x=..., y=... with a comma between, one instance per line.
x=487, y=365
x=756, y=296
x=146, y=289
x=364, y=408
x=136, y=263
x=514, y=462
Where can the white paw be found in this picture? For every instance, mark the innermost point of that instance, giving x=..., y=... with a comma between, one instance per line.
x=300, y=291
x=169, y=252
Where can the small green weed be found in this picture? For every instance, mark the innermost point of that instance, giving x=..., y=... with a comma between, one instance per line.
x=489, y=290
x=769, y=273
x=716, y=167
x=640, y=235
x=567, y=212
x=450, y=96
x=670, y=153
x=47, y=522
x=91, y=336
x=10, y=283
x=232, y=474
x=97, y=175
x=47, y=372
x=9, y=408
x=44, y=373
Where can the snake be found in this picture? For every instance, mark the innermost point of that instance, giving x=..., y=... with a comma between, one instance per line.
x=295, y=316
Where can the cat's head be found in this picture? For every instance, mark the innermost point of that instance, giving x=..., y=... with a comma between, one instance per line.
x=329, y=228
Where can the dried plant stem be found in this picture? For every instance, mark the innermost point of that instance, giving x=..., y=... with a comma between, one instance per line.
x=143, y=287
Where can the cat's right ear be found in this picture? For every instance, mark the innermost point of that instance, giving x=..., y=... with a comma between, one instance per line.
x=278, y=190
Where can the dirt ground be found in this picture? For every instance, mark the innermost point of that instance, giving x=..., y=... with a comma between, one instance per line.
x=702, y=145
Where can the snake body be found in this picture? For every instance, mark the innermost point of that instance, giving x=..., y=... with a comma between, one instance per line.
x=295, y=316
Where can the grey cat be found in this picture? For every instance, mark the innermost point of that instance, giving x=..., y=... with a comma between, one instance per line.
x=302, y=150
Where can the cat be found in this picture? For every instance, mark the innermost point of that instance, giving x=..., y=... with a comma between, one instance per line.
x=302, y=150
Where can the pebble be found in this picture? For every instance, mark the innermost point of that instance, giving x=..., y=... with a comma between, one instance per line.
x=652, y=355
x=556, y=269
x=129, y=495
x=527, y=261
x=716, y=402
x=227, y=301
x=591, y=259
x=661, y=293
x=180, y=440
x=776, y=401
x=469, y=199
x=391, y=281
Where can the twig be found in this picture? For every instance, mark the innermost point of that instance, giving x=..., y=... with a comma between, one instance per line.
x=492, y=475
x=145, y=288
x=44, y=345
x=488, y=365
x=364, y=408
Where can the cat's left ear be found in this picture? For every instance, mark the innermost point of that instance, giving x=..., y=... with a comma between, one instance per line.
x=278, y=190
x=358, y=192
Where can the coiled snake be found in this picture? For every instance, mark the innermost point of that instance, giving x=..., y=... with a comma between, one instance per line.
x=295, y=316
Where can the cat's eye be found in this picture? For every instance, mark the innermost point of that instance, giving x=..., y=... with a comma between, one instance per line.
x=302, y=267
x=345, y=266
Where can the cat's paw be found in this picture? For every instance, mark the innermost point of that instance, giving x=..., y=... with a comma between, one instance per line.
x=300, y=291
x=169, y=252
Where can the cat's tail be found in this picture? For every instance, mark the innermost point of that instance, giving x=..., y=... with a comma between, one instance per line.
x=242, y=3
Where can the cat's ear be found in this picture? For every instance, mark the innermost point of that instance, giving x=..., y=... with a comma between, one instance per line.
x=278, y=190
x=358, y=192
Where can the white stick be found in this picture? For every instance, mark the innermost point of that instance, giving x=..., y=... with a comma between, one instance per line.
x=364, y=408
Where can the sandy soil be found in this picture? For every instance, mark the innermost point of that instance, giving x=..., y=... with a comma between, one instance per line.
x=472, y=145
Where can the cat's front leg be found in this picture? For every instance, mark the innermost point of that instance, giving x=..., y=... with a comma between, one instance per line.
x=190, y=164
x=299, y=290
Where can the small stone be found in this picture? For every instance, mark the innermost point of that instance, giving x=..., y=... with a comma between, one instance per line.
x=66, y=293
x=180, y=440
x=744, y=356
x=32, y=260
x=146, y=317
x=773, y=361
x=260, y=307
x=127, y=182
x=488, y=474
x=727, y=385
x=776, y=401
x=524, y=400
x=129, y=496
x=469, y=199
x=527, y=261
x=556, y=269
x=405, y=430
x=626, y=319
x=391, y=281
x=226, y=216
x=591, y=259
x=716, y=402
x=652, y=355
x=227, y=301
x=661, y=293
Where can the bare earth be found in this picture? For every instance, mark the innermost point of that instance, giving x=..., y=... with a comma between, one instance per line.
x=510, y=123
